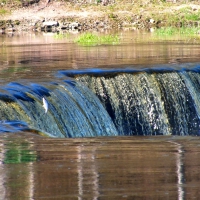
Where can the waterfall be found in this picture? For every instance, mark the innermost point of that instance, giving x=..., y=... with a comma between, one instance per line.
x=73, y=110
x=113, y=102
x=148, y=102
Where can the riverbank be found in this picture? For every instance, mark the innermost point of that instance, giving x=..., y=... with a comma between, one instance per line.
x=64, y=16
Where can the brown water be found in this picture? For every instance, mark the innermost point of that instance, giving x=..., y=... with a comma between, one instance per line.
x=34, y=167
x=33, y=56
x=100, y=168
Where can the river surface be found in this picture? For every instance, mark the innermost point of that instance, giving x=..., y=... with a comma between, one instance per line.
x=99, y=168
x=137, y=167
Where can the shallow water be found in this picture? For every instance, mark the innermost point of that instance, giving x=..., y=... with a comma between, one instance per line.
x=35, y=167
x=38, y=57
x=99, y=168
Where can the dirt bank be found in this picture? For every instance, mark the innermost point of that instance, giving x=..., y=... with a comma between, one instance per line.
x=63, y=16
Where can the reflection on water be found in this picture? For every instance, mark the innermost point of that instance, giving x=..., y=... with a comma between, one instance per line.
x=2, y=172
x=102, y=168
x=180, y=172
x=33, y=167
x=18, y=153
x=16, y=172
x=87, y=174
x=38, y=56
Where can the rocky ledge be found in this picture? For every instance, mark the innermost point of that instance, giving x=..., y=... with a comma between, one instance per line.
x=58, y=16
x=75, y=24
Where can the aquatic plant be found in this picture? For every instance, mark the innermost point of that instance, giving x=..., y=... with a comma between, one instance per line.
x=90, y=39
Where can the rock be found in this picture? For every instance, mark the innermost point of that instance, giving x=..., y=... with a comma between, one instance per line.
x=49, y=26
x=2, y=30
x=74, y=25
x=152, y=21
x=50, y=23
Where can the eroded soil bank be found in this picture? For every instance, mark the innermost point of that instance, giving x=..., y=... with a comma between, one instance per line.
x=57, y=16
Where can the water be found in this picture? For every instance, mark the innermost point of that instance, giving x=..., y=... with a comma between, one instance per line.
x=99, y=168
x=107, y=103
x=95, y=94
x=73, y=110
x=149, y=103
x=36, y=57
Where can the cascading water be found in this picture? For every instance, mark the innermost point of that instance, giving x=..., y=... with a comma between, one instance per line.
x=106, y=103
x=148, y=102
x=74, y=111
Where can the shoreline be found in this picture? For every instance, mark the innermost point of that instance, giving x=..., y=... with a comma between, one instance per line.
x=61, y=17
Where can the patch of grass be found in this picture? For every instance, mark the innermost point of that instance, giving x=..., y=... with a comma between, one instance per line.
x=10, y=3
x=112, y=16
x=192, y=16
x=3, y=11
x=187, y=14
x=184, y=34
x=90, y=39
x=171, y=31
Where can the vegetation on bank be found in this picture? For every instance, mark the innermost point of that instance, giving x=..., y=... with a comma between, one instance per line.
x=183, y=34
x=165, y=11
x=3, y=11
x=171, y=31
x=141, y=14
x=91, y=39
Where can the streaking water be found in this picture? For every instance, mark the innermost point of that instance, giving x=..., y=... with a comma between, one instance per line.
x=105, y=103
x=148, y=102
x=74, y=111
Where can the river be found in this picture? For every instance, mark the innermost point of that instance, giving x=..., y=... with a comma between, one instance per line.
x=129, y=112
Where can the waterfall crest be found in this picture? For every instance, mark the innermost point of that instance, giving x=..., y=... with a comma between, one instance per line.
x=73, y=110
x=149, y=102
x=105, y=103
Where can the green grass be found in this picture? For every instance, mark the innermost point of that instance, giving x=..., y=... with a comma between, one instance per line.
x=3, y=11
x=187, y=14
x=90, y=39
x=171, y=31
x=184, y=34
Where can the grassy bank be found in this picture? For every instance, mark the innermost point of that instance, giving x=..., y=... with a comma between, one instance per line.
x=142, y=14
x=184, y=31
